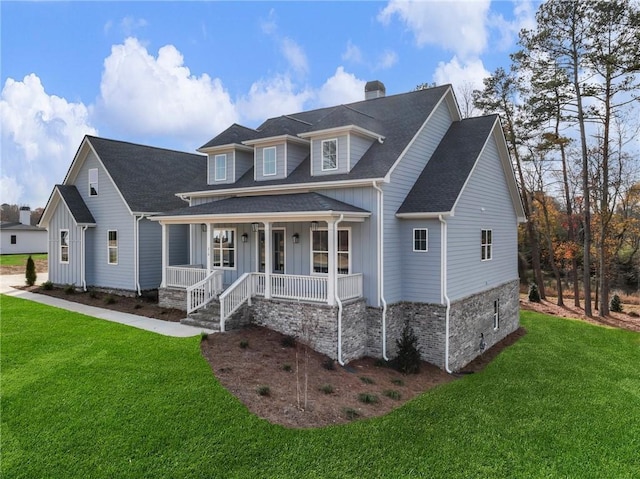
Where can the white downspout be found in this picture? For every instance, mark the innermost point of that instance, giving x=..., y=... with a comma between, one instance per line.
x=335, y=289
x=443, y=289
x=83, y=259
x=136, y=264
x=381, y=299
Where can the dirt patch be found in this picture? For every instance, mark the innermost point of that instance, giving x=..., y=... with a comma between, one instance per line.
x=251, y=360
x=41, y=267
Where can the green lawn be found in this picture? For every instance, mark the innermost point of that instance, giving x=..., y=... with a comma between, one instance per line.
x=86, y=398
x=19, y=259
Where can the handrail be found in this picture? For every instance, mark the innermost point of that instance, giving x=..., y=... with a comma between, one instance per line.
x=183, y=276
x=203, y=292
x=236, y=295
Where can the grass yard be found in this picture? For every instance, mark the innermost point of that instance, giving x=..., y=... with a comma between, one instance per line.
x=84, y=398
x=19, y=259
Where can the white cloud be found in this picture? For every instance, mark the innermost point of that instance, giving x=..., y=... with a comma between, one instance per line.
x=387, y=59
x=341, y=88
x=458, y=26
x=272, y=97
x=130, y=25
x=40, y=135
x=145, y=95
x=507, y=31
x=352, y=53
x=269, y=25
x=456, y=73
x=295, y=55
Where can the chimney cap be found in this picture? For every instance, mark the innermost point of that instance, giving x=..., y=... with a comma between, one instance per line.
x=25, y=208
x=375, y=85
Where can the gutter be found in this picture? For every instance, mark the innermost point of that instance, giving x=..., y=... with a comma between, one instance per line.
x=443, y=289
x=337, y=296
x=380, y=248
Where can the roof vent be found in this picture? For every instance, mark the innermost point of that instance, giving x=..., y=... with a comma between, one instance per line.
x=374, y=89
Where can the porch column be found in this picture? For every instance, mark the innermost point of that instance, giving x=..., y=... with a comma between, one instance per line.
x=209, y=240
x=331, y=262
x=165, y=254
x=267, y=260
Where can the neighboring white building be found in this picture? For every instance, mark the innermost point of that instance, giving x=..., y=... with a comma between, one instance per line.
x=22, y=238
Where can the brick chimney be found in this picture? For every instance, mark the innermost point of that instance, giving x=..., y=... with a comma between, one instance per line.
x=374, y=89
x=25, y=215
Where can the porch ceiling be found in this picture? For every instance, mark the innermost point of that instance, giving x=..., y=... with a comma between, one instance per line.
x=281, y=208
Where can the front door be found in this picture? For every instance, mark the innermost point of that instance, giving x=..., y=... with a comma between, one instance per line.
x=277, y=255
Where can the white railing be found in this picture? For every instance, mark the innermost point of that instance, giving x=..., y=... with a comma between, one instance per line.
x=186, y=275
x=303, y=288
x=203, y=292
x=349, y=286
x=236, y=295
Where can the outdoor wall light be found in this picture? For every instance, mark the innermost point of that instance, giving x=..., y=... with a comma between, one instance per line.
x=244, y=237
x=314, y=225
x=254, y=227
x=203, y=228
x=296, y=238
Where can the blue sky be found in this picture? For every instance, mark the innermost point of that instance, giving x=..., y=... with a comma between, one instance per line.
x=174, y=74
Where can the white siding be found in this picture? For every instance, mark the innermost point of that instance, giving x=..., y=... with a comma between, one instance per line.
x=27, y=241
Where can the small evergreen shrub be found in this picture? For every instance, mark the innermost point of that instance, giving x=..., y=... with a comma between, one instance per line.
x=327, y=388
x=633, y=314
x=47, y=285
x=288, y=342
x=30, y=273
x=109, y=300
x=408, y=359
x=203, y=336
x=329, y=364
x=351, y=413
x=264, y=390
x=381, y=363
x=534, y=294
x=70, y=289
x=368, y=398
x=615, y=305
x=287, y=368
x=392, y=394
x=367, y=380
x=244, y=344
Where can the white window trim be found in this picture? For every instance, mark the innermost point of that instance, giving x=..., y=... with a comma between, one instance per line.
x=257, y=236
x=275, y=161
x=496, y=315
x=222, y=157
x=116, y=247
x=486, y=247
x=311, y=250
x=68, y=246
x=322, y=168
x=92, y=170
x=426, y=230
x=235, y=249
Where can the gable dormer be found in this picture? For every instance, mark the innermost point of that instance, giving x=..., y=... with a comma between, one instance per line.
x=227, y=163
x=277, y=156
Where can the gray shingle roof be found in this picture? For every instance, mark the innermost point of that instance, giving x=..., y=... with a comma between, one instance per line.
x=16, y=226
x=442, y=179
x=234, y=134
x=149, y=177
x=300, y=202
x=77, y=207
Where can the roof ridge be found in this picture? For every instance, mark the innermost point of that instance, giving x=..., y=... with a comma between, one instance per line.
x=140, y=145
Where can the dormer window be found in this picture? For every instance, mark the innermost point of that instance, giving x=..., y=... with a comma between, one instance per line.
x=220, y=166
x=329, y=155
x=269, y=161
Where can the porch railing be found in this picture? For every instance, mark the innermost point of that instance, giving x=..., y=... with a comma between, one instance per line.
x=349, y=286
x=236, y=295
x=203, y=292
x=183, y=276
x=303, y=288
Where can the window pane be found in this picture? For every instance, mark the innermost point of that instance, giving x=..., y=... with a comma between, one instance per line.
x=221, y=167
x=231, y=240
x=320, y=241
x=216, y=257
x=320, y=263
x=488, y=236
x=343, y=263
x=269, y=161
x=113, y=255
x=64, y=254
x=343, y=240
x=329, y=155
x=484, y=237
x=64, y=238
x=113, y=238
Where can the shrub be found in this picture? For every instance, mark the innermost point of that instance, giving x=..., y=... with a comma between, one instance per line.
x=203, y=336
x=615, y=305
x=367, y=380
x=633, y=314
x=109, y=300
x=327, y=388
x=137, y=306
x=397, y=381
x=391, y=393
x=70, y=289
x=408, y=359
x=381, y=363
x=30, y=274
x=93, y=294
x=329, y=364
x=534, y=294
x=264, y=390
x=244, y=344
x=47, y=285
x=351, y=413
x=288, y=342
x=286, y=367
x=368, y=398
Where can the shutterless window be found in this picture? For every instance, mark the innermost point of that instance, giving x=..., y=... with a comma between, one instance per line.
x=64, y=246
x=486, y=245
x=93, y=182
x=320, y=251
x=14, y=239
x=224, y=248
x=496, y=314
x=220, y=162
x=329, y=155
x=420, y=239
x=112, y=246
x=269, y=161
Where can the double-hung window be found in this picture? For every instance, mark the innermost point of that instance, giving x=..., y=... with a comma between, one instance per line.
x=14, y=239
x=320, y=252
x=329, y=155
x=93, y=182
x=486, y=245
x=112, y=246
x=269, y=161
x=64, y=246
x=220, y=165
x=224, y=248
x=420, y=239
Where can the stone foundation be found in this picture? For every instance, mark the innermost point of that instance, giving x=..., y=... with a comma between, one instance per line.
x=172, y=298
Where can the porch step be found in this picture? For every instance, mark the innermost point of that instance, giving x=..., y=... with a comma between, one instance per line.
x=208, y=317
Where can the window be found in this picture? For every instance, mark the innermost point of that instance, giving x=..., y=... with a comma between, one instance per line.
x=420, y=239
x=485, y=253
x=112, y=246
x=14, y=239
x=496, y=314
x=93, y=182
x=320, y=251
x=329, y=155
x=224, y=249
x=64, y=246
x=220, y=167
x=269, y=161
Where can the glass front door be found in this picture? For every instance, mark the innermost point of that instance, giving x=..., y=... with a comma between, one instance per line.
x=277, y=255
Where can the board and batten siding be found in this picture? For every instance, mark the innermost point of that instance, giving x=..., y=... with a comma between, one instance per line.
x=111, y=213
x=421, y=269
x=485, y=203
x=341, y=156
x=71, y=272
x=402, y=180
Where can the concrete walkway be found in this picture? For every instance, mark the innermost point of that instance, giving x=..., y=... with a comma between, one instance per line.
x=166, y=328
